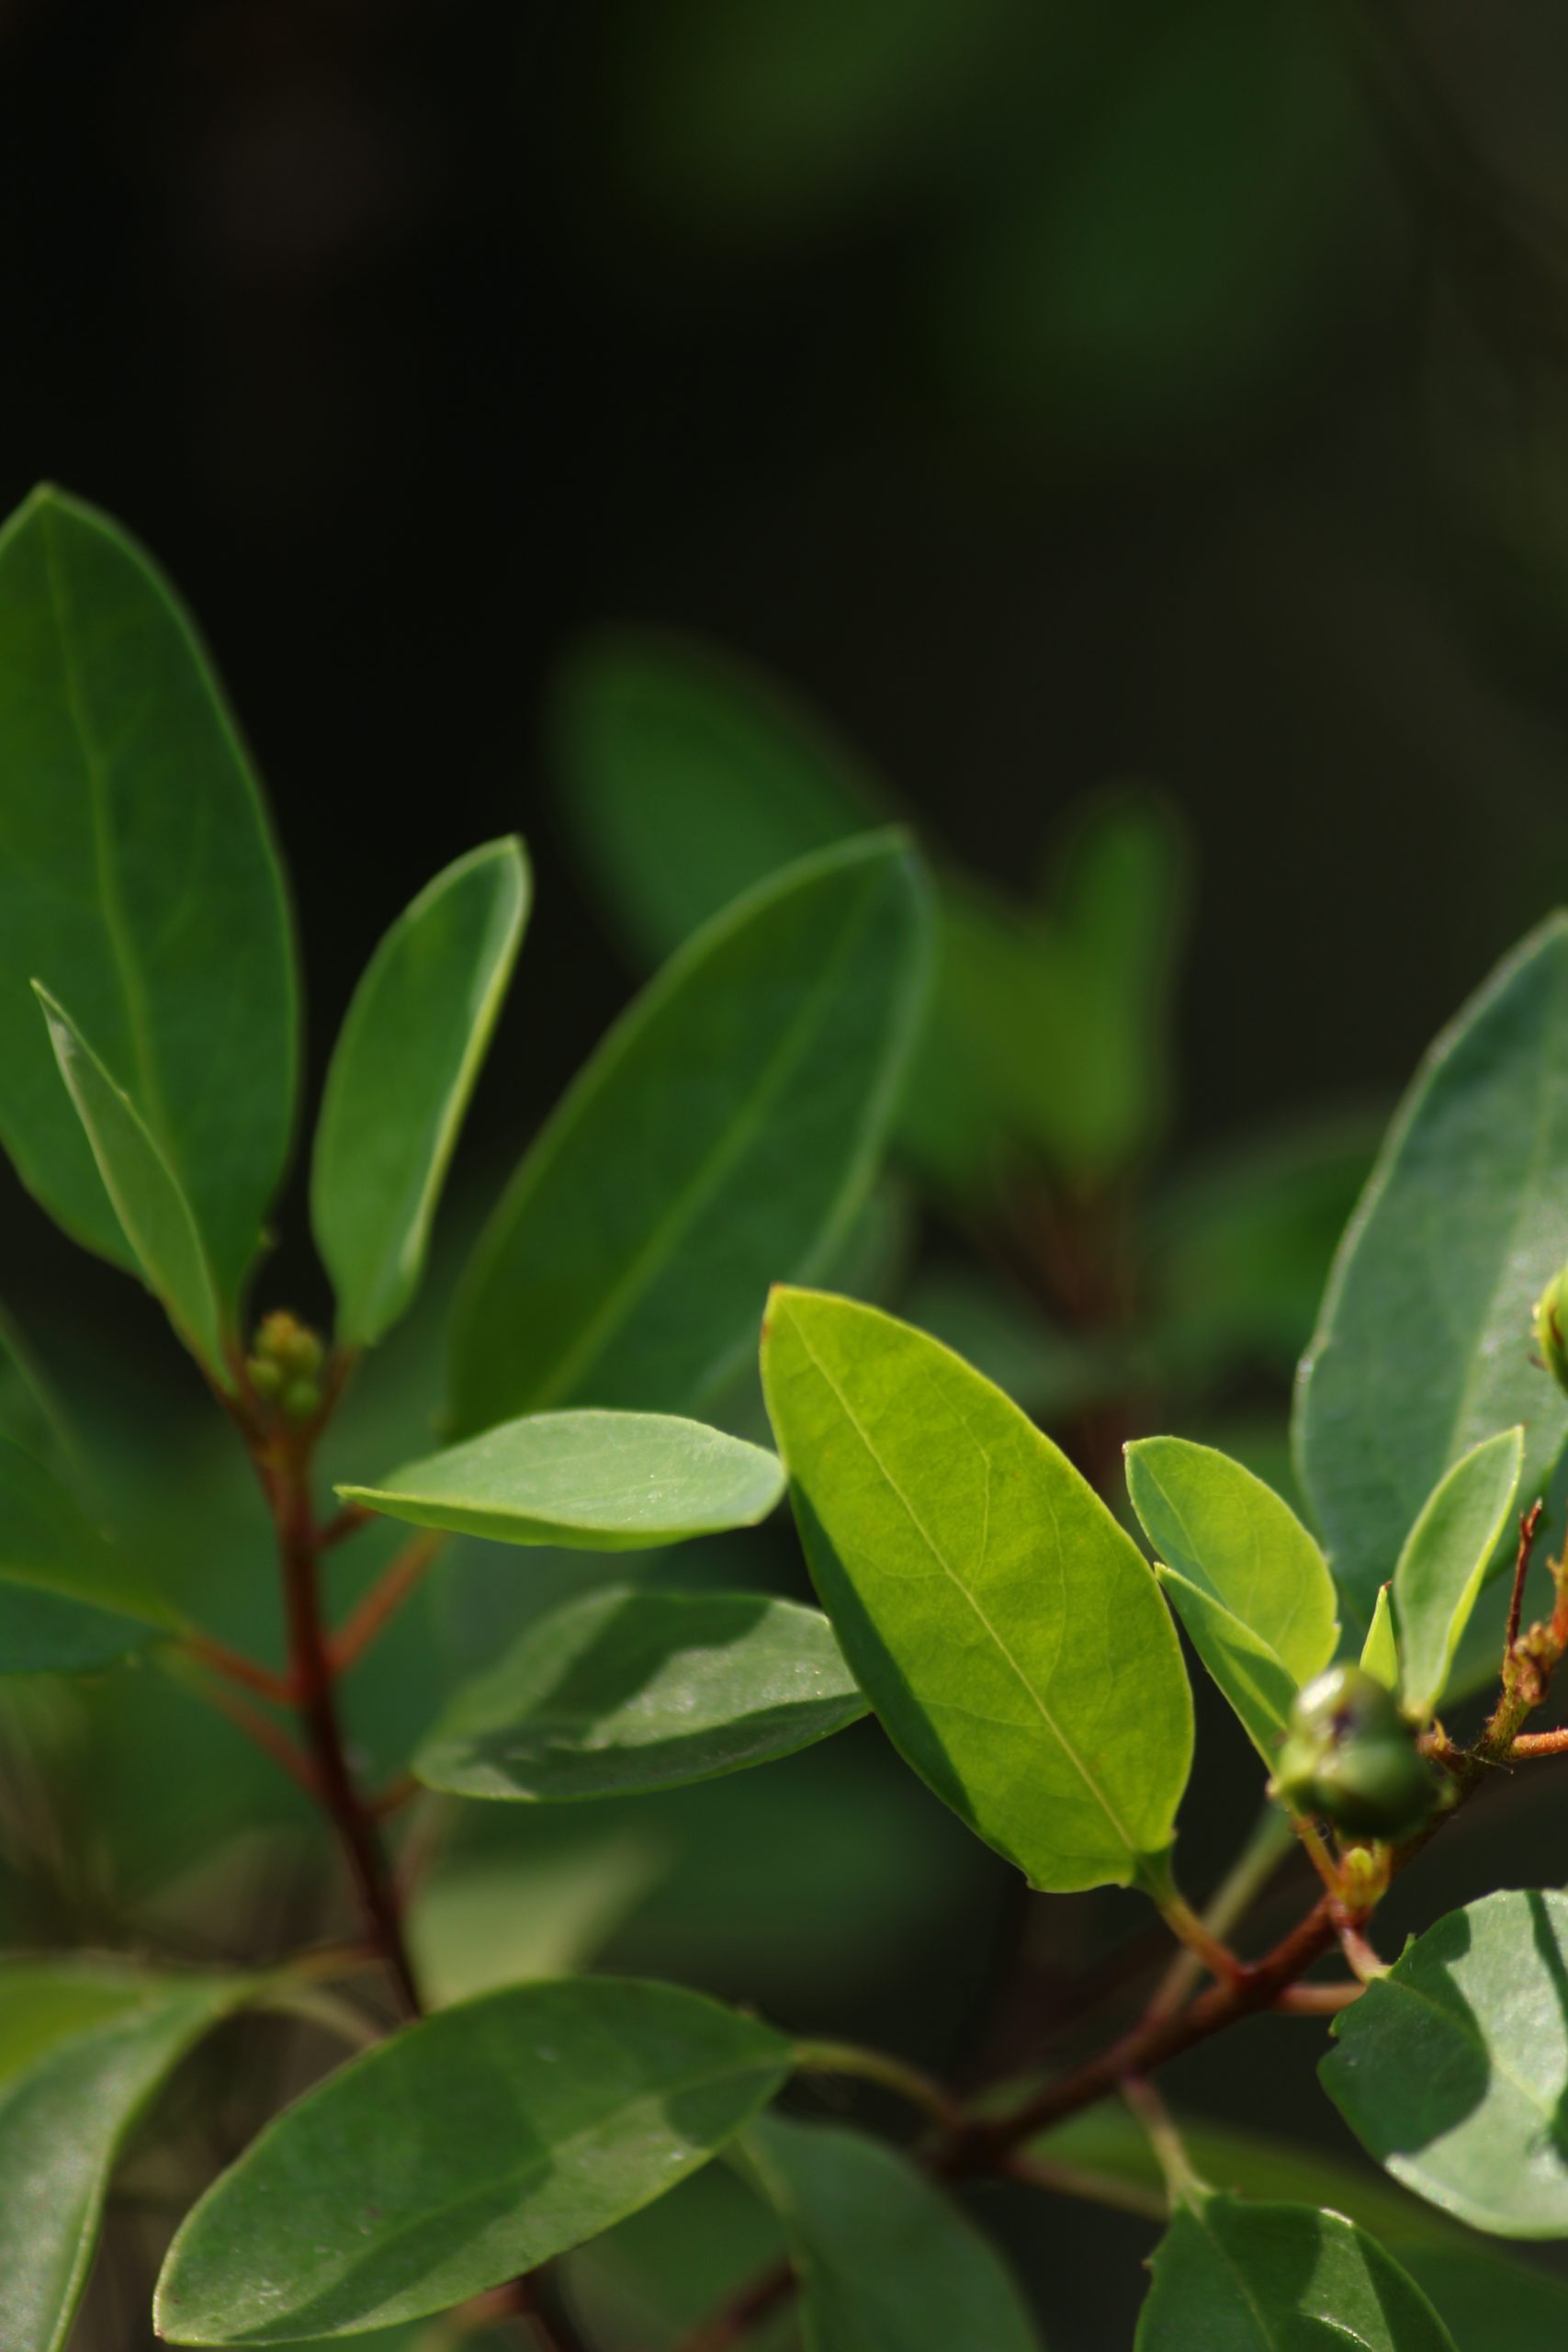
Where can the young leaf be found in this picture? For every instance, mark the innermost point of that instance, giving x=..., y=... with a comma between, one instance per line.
x=884, y=2260
x=1234, y=2276
x=401, y=1072
x=154, y=1215
x=1380, y=1651
x=589, y=1481
x=1423, y=1346
x=1452, y=2069
x=1245, y=1669
x=1223, y=1530
x=1006, y=1631
x=82, y=2051
x=722, y=1135
x=466, y=2149
x=627, y=1690
x=137, y=867
x=65, y=1606
x=1445, y=1558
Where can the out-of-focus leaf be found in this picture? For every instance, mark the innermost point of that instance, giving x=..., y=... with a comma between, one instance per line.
x=484, y=1922
x=66, y=1604
x=137, y=872
x=29, y=1415
x=154, y=1213
x=721, y=1138
x=401, y=1072
x=1050, y=1371
x=1446, y=1553
x=542, y=2114
x=654, y=2277
x=1265, y=2278
x=883, y=2258
x=1489, y=2304
x=1424, y=1343
x=82, y=2051
x=587, y=1481
x=629, y=1690
x=1451, y=2068
x=984, y=1596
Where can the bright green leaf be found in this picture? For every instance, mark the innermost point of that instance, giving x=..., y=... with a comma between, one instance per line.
x=466, y=2149
x=154, y=1213
x=1445, y=1558
x=1380, y=1651
x=137, y=870
x=82, y=2053
x=1232, y=2277
x=722, y=1137
x=66, y=1606
x=887, y=2263
x=627, y=1690
x=1245, y=1669
x=403, y=1068
x=1423, y=1347
x=1006, y=1631
x=589, y=1481
x=1452, y=2069
x=1225, y=1531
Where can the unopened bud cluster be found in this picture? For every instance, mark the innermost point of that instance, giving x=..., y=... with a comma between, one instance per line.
x=1351, y=1756
x=285, y=1365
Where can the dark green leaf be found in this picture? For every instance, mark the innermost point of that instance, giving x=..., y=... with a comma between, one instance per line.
x=154, y=1213
x=1452, y=2069
x=988, y=1603
x=28, y=1415
x=1489, y=2304
x=66, y=1606
x=1423, y=1347
x=466, y=2149
x=402, y=1070
x=1437, y=1579
x=589, y=1481
x=1230, y=2277
x=138, y=874
x=887, y=2263
x=722, y=1137
x=82, y=2051
x=629, y=1690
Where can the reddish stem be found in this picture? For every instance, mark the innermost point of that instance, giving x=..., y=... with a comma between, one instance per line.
x=382, y=1601
x=235, y=1666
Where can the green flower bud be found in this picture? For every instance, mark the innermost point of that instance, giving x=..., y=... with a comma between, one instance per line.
x=300, y=1400
x=1350, y=1755
x=1551, y=1324
x=283, y=1340
x=265, y=1377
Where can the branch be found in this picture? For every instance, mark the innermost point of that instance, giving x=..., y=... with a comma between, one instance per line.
x=235, y=1666
x=382, y=1601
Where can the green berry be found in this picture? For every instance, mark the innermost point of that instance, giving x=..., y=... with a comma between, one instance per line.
x=1351, y=1756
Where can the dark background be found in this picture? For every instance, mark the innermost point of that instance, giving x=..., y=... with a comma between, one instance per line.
x=1051, y=393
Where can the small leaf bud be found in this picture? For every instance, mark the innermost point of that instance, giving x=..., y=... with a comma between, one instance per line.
x=1351, y=1756
x=1550, y=1326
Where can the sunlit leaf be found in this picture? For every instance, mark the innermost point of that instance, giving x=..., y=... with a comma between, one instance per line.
x=988, y=1603
x=1380, y=1651
x=1261, y=1690
x=1439, y=1576
x=1232, y=2276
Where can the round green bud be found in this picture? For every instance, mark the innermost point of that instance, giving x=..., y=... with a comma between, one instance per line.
x=265, y=1376
x=1552, y=1326
x=300, y=1400
x=1350, y=1755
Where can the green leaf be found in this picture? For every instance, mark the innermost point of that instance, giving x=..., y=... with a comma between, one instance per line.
x=1445, y=1558
x=1380, y=1651
x=82, y=2053
x=1231, y=2277
x=589, y=1481
x=1452, y=2068
x=1244, y=1668
x=403, y=1068
x=464, y=2150
x=1490, y=2304
x=137, y=867
x=884, y=2260
x=722, y=1137
x=28, y=1415
x=1224, y=1531
x=1423, y=1346
x=1006, y=1630
x=154, y=1215
x=481, y=1922
x=627, y=1690
x=66, y=1605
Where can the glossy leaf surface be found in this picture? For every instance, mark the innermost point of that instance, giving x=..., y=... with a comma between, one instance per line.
x=988, y=1604
x=629, y=1690
x=1452, y=2069
x=466, y=2149
x=721, y=1138
x=589, y=1481
x=1232, y=2276
x=403, y=1068
x=154, y=1215
x=1224, y=1531
x=138, y=876
x=1439, y=1574
x=82, y=2051
x=1423, y=1347
x=887, y=2263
